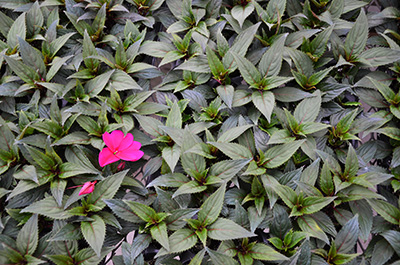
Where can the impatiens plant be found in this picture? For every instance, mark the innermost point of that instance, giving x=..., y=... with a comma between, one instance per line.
x=212, y=132
x=119, y=146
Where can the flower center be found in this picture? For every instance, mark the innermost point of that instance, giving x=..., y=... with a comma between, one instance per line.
x=116, y=152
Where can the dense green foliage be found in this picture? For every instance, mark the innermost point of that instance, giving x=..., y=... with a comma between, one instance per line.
x=270, y=130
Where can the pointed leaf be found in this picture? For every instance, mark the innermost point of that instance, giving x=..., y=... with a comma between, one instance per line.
x=28, y=236
x=106, y=189
x=271, y=61
x=263, y=252
x=225, y=229
x=357, y=37
x=264, y=102
x=179, y=241
x=347, y=236
x=309, y=225
x=389, y=212
x=160, y=234
x=211, y=208
x=278, y=155
x=94, y=233
x=18, y=29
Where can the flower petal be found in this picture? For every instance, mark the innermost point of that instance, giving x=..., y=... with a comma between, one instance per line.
x=113, y=140
x=126, y=142
x=135, y=145
x=106, y=157
x=130, y=154
x=88, y=187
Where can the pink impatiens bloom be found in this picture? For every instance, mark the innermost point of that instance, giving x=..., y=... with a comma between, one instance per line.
x=88, y=187
x=119, y=146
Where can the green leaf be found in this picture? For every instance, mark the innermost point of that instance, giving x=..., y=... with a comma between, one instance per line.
x=379, y=56
x=57, y=63
x=34, y=19
x=330, y=162
x=336, y=8
x=347, y=236
x=275, y=9
x=382, y=252
x=28, y=172
x=352, y=165
x=145, y=212
x=357, y=37
x=220, y=258
x=240, y=13
x=61, y=259
x=106, y=189
x=174, y=180
x=99, y=20
x=160, y=234
x=174, y=118
x=314, y=204
x=384, y=89
x=57, y=188
x=365, y=217
x=43, y=160
x=248, y=71
x=67, y=232
x=312, y=127
x=308, y=109
x=179, y=241
x=189, y=188
x=27, y=74
x=226, y=92
x=58, y=43
x=277, y=155
x=156, y=49
x=344, y=258
x=18, y=29
x=211, y=208
x=227, y=169
x=303, y=63
x=87, y=256
x=264, y=102
x=32, y=57
x=233, y=133
x=5, y=23
x=225, y=229
x=239, y=47
x=263, y=252
x=88, y=50
x=271, y=61
x=310, y=226
x=389, y=212
x=47, y=207
x=122, y=210
x=392, y=132
x=150, y=125
x=393, y=237
x=319, y=43
x=216, y=66
x=171, y=56
x=233, y=150
x=171, y=155
x=97, y=84
x=288, y=196
x=198, y=258
x=178, y=218
x=94, y=233
x=317, y=77
x=28, y=236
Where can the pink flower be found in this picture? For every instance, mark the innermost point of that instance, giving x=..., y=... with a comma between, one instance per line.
x=119, y=146
x=88, y=187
